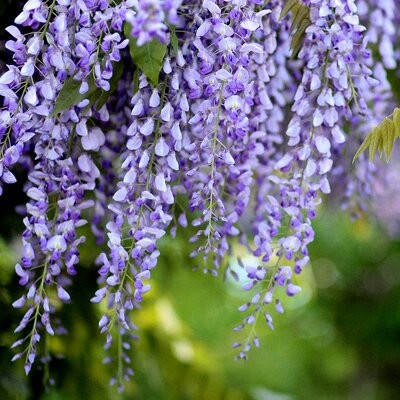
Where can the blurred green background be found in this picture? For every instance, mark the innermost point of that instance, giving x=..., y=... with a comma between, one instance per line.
x=338, y=339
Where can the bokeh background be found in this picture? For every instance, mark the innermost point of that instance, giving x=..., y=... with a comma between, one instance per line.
x=338, y=339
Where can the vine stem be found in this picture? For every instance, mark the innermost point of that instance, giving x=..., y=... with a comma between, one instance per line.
x=215, y=140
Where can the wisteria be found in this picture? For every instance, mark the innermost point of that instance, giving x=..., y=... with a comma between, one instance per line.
x=145, y=118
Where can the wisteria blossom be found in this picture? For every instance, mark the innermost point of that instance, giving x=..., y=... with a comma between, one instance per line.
x=142, y=118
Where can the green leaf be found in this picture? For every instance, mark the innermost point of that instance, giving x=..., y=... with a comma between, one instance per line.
x=289, y=4
x=363, y=147
x=101, y=96
x=375, y=142
x=396, y=121
x=298, y=38
x=300, y=22
x=148, y=58
x=69, y=95
x=300, y=14
x=174, y=38
x=382, y=138
x=387, y=129
x=135, y=81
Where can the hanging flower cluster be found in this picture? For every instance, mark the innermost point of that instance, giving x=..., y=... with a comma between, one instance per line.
x=120, y=111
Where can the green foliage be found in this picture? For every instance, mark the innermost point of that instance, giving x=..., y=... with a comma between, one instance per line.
x=69, y=95
x=300, y=22
x=174, y=38
x=100, y=97
x=149, y=57
x=382, y=138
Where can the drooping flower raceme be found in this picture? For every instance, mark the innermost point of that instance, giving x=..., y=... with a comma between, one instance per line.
x=335, y=77
x=207, y=105
x=225, y=136
x=31, y=127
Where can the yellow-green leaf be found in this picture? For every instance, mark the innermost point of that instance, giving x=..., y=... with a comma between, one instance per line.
x=387, y=128
x=382, y=138
x=300, y=23
x=289, y=4
x=396, y=121
x=375, y=142
x=298, y=37
x=299, y=15
x=362, y=148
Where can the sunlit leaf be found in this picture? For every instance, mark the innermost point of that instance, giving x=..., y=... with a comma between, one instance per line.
x=363, y=147
x=382, y=138
x=396, y=121
x=387, y=128
x=375, y=142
